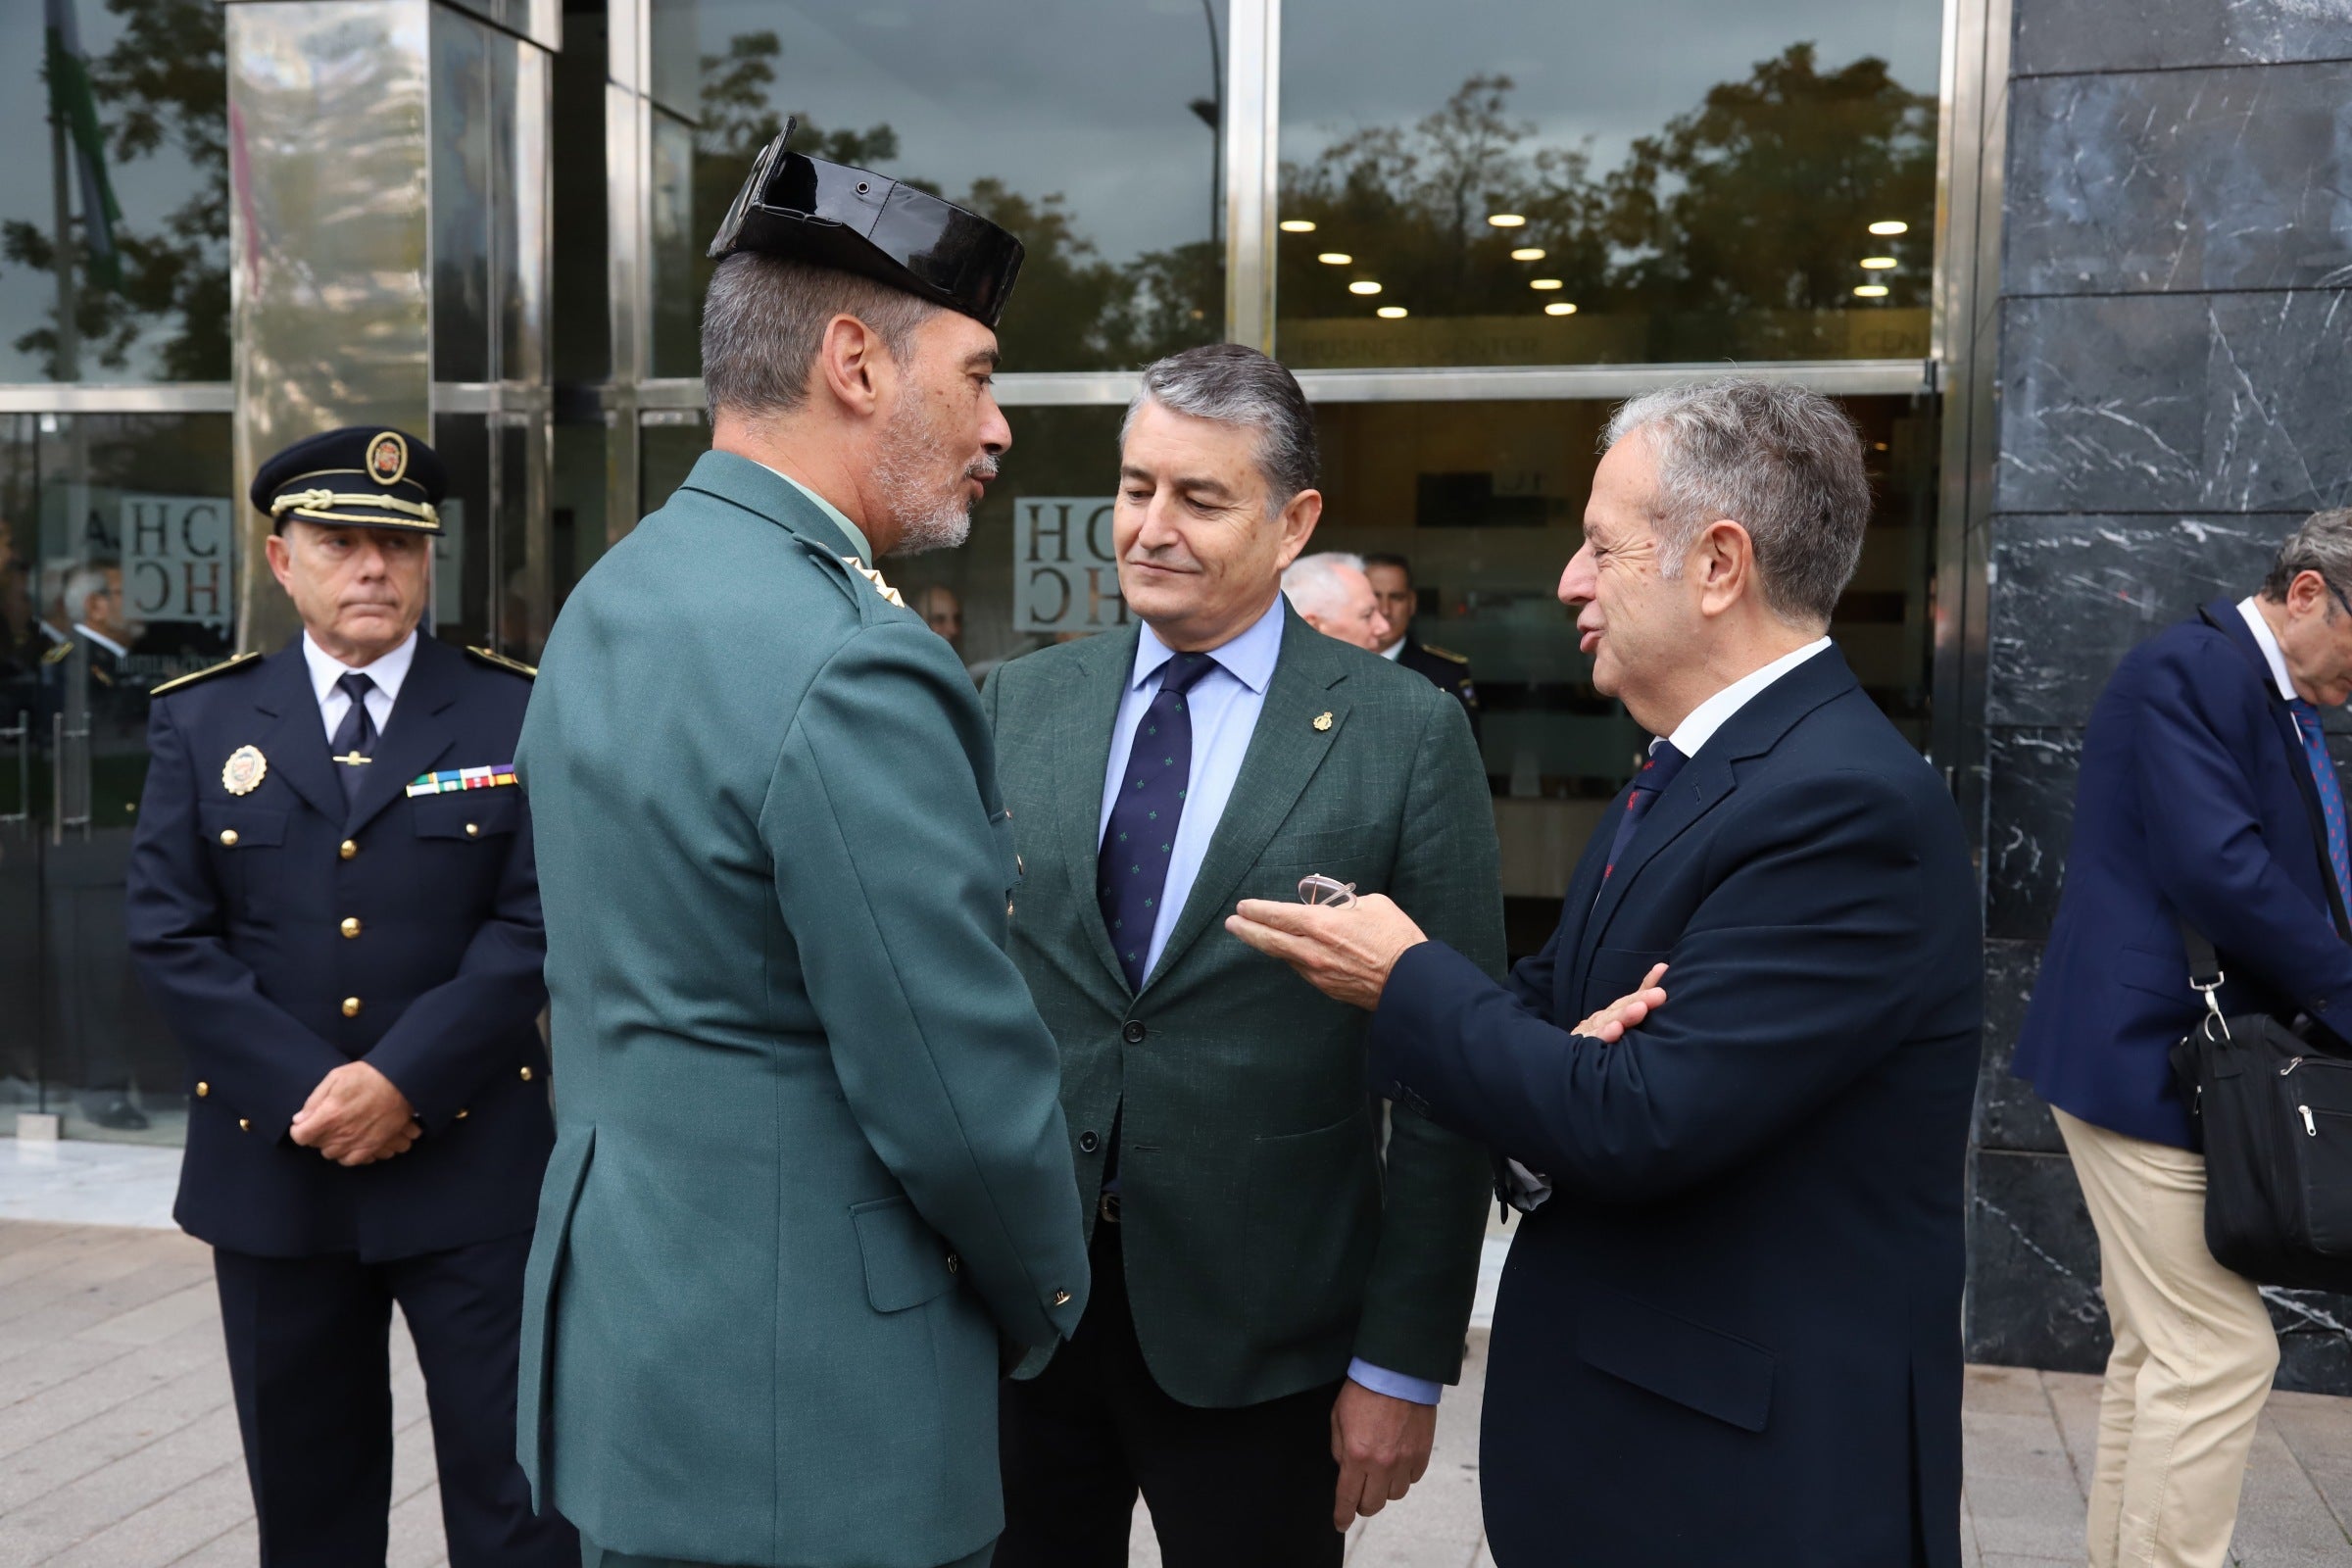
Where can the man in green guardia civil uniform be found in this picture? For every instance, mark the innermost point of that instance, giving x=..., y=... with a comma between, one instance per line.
x=812, y=1180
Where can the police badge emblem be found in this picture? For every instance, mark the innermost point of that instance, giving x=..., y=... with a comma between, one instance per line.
x=388, y=458
x=244, y=770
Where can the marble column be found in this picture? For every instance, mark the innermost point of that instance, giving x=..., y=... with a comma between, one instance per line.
x=2176, y=394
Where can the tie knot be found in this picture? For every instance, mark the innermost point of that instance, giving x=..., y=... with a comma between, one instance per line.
x=354, y=685
x=1183, y=671
x=2307, y=716
x=1658, y=773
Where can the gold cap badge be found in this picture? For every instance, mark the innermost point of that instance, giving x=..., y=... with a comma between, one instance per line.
x=244, y=770
x=387, y=458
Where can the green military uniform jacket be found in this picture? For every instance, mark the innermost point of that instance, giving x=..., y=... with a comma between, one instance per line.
x=1265, y=1240
x=810, y=1162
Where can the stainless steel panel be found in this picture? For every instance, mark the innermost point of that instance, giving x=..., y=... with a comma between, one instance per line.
x=1253, y=111
x=539, y=21
x=329, y=172
x=524, y=261
x=174, y=397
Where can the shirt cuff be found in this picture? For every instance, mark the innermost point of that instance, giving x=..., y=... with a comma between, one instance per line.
x=1396, y=1385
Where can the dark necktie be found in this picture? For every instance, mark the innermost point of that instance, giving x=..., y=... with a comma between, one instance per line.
x=2331, y=795
x=356, y=735
x=1132, y=870
x=1648, y=784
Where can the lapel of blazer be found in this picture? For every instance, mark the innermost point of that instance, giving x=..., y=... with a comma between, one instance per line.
x=1085, y=708
x=1708, y=777
x=295, y=745
x=1285, y=750
x=418, y=733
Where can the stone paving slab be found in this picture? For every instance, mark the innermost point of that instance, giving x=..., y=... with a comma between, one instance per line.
x=119, y=1443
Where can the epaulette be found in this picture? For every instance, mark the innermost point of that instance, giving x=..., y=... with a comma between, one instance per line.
x=207, y=673
x=1446, y=654
x=498, y=661
x=58, y=654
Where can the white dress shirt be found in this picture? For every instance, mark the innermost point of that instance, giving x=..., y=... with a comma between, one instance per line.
x=2268, y=641
x=386, y=672
x=1392, y=651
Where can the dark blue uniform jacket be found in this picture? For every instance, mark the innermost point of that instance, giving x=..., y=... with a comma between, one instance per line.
x=1733, y=1332
x=238, y=911
x=2196, y=799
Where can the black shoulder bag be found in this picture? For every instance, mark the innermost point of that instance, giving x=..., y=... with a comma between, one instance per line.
x=2276, y=1116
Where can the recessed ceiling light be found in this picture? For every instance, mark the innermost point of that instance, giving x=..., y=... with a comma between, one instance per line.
x=1542, y=282
x=1335, y=257
x=1390, y=313
x=1363, y=285
x=1507, y=219
x=1877, y=264
x=1528, y=253
x=1870, y=291
x=1559, y=308
x=1297, y=226
x=1891, y=225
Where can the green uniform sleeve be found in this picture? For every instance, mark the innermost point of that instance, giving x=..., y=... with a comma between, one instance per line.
x=893, y=881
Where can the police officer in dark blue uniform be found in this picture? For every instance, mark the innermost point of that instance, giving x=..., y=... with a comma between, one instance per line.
x=332, y=898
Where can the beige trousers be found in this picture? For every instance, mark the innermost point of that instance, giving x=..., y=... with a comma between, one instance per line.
x=2193, y=1357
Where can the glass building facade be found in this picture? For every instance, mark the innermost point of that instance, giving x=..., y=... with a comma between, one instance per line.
x=1471, y=228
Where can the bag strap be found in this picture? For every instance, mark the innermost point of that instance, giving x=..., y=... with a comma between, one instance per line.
x=2204, y=972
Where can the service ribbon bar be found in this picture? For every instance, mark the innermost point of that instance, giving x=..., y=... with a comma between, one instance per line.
x=452, y=779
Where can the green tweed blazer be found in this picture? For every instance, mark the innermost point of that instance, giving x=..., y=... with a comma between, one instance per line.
x=1266, y=1238
x=810, y=1162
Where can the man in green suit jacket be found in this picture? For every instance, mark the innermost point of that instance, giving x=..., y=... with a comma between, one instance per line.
x=809, y=1167
x=1277, y=1298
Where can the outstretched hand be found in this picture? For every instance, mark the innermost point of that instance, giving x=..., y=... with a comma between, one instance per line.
x=1345, y=950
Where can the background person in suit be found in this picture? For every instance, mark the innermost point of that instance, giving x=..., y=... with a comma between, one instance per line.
x=1391, y=579
x=1274, y=1314
x=1332, y=594
x=352, y=964
x=1731, y=1331
x=2206, y=794
x=814, y=1164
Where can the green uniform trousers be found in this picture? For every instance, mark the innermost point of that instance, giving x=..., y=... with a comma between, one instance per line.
x=593, y=1555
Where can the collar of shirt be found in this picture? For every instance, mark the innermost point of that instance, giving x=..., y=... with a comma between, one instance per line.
x=1716, y=712
x=1392, y=651
x=2268, y=641
x=103, y=640
x=1248, y=658
x=863, y=546
x=386, y=672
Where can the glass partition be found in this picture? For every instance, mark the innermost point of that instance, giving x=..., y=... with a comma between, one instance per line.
x=1572, y=183
x=1097, y=138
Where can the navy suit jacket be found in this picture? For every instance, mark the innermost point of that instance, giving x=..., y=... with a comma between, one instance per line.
x=1733, y=1332
x=2195, y=800
x=236, y=911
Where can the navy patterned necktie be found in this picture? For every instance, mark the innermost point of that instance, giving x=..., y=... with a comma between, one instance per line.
x=356, y=735
x=1648, y=784
x=2331, y=794
x=1132, y=870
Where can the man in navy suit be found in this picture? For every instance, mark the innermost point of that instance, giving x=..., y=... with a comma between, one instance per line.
x=332, y=901
x=1730, y=1328
x=2206, y=796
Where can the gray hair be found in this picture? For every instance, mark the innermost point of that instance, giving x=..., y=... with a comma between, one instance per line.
x=80, y=584
x=1783, y=462
x=2321, y=543
x=764, y=319
x=1312, y=582
x=1230, y=383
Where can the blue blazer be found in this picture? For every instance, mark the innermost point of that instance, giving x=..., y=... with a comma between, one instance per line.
x=237, y=906
x=1733, y=1332
x=2195, y=800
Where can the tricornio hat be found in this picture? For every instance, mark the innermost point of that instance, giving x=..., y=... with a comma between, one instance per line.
x=861, y=221
x=361, y=476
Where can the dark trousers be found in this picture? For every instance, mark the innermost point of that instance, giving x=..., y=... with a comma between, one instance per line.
x=309, y=1358
x=1246, y=1488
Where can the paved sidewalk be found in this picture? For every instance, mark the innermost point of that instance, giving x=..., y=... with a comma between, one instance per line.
x=118, y=1445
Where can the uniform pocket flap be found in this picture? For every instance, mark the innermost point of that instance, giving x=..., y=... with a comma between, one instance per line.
x=469, y=813
x=253, y=825
x=1699, y=1367
x=905, y=1262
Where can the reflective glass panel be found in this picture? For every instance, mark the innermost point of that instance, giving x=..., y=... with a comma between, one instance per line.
x=1092, y=129
x=114, y=203
x=1509, y=182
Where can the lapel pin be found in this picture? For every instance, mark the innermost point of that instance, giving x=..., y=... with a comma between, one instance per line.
x=244, y=770
x=1323, y=720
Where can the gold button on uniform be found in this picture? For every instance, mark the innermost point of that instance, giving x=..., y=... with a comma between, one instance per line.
x=348, y=850
x=350, y=926
x=228, y=837
x=203, y=1090
x=1061, y=1297
x=351, y=1006
x=243, y=1125
x=526, y=1075
x=473, y=830
x=462, y=1114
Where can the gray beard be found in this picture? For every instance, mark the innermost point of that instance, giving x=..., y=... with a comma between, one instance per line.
x=929, y=517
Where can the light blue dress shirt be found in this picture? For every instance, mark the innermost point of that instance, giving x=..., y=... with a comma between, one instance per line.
x=1224, y=704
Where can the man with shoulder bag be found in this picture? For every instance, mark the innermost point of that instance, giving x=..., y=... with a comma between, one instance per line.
x=2207, y=808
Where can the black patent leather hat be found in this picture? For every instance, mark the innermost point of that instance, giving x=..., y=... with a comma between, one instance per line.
x=869, y=223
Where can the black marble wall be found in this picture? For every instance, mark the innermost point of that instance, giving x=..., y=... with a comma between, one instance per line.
x=2174, y=394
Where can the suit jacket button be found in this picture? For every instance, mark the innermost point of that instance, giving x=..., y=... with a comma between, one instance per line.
x=953, y=1262
x=203, y=1090
x=1133, y=1033
x=243, y=1125
x=526, y=1075
x=473, y=830
x=348, y=850
x=350, y=926
x=228, y=837
x=1061, y=1297
x=351, y=1006
x=1088, y=1142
